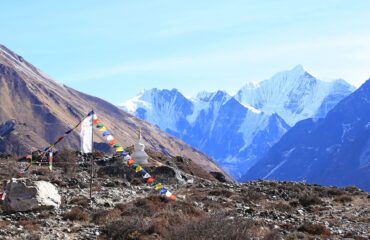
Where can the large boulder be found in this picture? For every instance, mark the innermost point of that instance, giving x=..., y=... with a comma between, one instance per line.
x=26, y=195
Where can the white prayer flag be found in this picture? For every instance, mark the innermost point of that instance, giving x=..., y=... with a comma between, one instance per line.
x=86, y=134
x=110, y=138
x=168, y=194
x=147, y=175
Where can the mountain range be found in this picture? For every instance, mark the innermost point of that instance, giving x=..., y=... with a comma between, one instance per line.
x=237, y=131
x=36, y=110
x=334, y=150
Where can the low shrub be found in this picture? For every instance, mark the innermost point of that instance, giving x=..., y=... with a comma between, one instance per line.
x=281, y=207
x=217, y=226
x=221, y=192
x=106, y=216
x=333, y=191
x=127, y=228
x=343, y=199
x=308, y=200
x=81, y=201
x=76, y=214
x=315, y=229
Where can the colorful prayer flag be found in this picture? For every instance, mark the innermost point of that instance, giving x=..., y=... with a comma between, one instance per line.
x=168, y=194
x=158, y=187
x=96, y=121
x=110, y=138
x=120, y=149
x=103, y=129
x=139, y=168
x=99, y=125
x=86, y=135
x=150, y=180
x=51, y=160
x=116, y=145
x=173, y=197
x=112, y=142
x=163, y=191
x=124, y=153
x=147, y=175
x=106, y=133
x=131, y=161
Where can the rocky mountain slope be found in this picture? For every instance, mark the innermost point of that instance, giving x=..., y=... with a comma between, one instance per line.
x=126, y=208
x=237, y=131
x=35, y=110
x=329, y=151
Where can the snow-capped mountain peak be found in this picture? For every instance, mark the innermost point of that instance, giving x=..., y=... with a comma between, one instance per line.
x=238, y=130
x=294, y=94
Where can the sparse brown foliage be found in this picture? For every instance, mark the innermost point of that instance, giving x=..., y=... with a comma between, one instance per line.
x=217, y=226
x=343, y=199
x=81, y=201
x=128, y=228
x=76, y=214
x=308, y=200
x=314, y=229
x=105, y=216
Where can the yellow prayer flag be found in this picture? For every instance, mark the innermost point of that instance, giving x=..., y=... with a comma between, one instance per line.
x=139, y=168
x=159, y=186
x=119, y=149
x=103, y=129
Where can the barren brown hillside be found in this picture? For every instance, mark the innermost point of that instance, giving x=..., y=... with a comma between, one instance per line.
x=35, y=110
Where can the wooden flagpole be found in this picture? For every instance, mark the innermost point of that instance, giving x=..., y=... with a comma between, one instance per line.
x=92, y=156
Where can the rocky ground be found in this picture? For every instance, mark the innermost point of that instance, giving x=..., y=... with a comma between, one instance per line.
x=124, y=207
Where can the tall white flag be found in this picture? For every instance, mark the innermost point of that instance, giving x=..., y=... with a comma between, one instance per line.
x=86, y=134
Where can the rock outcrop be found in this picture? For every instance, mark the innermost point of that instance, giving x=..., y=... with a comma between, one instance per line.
x=25, y=195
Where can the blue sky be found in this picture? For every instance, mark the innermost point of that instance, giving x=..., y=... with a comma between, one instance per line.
x=114, y=49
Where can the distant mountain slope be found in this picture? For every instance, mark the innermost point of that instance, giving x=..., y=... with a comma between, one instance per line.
x=237, y=131
x=35, y=110
x=214, y=122
x=330, y=151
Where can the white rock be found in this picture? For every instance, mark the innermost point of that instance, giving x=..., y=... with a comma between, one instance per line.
x=25, y=195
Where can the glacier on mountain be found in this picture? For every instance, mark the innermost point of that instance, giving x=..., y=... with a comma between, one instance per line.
x=238, y=130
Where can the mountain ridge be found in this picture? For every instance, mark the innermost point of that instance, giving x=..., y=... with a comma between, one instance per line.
x=331, y=151
x=292, y=93
x=45, y=108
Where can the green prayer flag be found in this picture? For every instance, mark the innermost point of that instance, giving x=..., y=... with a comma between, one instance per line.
x=155, y=183
x=178, y=200
x=99, y=125
x=135, y=164
x=116, y=145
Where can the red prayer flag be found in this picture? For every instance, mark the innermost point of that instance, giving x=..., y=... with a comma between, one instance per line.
x=131, y=161
x=96, y=121
x=173, y=197
x=150, y=180
x=112, y=142
x=60, y=139
x=28, y=157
